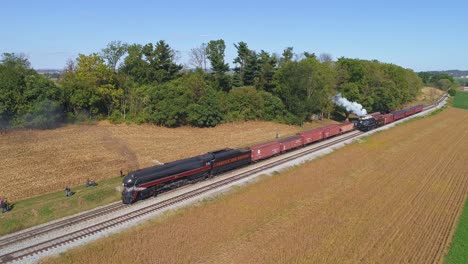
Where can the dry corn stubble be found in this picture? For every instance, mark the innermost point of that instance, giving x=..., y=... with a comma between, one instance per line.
x=394, y=198
x=37, y=162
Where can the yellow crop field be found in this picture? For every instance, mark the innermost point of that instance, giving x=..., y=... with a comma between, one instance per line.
x=391, y=198
x=41, y=161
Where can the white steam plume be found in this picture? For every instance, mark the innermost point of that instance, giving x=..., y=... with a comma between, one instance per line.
x=349, y=106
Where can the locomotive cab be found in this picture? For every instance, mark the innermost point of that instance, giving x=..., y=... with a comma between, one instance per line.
x=128, y=189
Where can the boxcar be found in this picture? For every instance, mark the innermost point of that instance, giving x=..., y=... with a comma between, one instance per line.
x=311, y=135
x=345, y=127
x=330, y=131
x=265, y=150
x=385, y=119
x=290, y=143
x=418, y=108
x=409, y=111
x=398, y=114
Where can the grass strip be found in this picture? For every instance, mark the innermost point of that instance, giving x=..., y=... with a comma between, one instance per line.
x=44, y=208
x=458, y=252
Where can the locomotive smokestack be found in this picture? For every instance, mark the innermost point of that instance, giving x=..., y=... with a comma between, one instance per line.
x=353, y=107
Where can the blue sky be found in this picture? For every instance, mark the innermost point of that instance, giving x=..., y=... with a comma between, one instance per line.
x=421, y=35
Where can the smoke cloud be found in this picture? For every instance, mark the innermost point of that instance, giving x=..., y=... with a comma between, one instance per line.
x=349, y=106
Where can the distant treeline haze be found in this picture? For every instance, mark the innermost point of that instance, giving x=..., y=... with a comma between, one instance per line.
x=145, y=84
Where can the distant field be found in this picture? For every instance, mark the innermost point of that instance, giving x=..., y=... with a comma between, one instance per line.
x=42, y=161
x=461, y=100
x=393, y=197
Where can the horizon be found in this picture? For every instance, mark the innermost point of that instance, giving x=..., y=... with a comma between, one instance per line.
x=421, y=35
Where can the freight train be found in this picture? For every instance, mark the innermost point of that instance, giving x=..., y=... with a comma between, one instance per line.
x=147, y=182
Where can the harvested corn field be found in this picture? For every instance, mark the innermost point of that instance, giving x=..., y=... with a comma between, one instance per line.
x=391, y=198
x=36, y=162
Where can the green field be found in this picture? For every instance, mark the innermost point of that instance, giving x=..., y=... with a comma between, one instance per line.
x=461, y=100
x=459, y=249
x=48, y=207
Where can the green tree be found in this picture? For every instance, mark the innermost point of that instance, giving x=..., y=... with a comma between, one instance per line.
x=27, y=99
x=251, y=69
x=206, y=112
x=243, y=54
x=163, y=62
x=134, y=65
x=267, y=68
x=215, y=53
x=92, y=87
x=167, y=104
x=287, y=55
x=113, y=53
x=305, y=87
x=151, y=63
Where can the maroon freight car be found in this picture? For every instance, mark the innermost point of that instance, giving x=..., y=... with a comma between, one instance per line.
x=265, y=150
x=385, y=119
x=409, y=111
x=418, y=108
x=345, y=127
x=330, y=131
x=311, y=135
x=398, y=115
x=290, y=143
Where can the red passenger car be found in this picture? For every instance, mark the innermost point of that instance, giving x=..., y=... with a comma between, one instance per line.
x=330, y=131
x=290, y=143
x=265, y=150
x=311, y=135
x=345, y=127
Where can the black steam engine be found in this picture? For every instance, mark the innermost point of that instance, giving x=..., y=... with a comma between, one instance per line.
x=150, y=181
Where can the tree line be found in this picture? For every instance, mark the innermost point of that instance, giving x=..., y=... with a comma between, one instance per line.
x=441, y=80
x=145, y=84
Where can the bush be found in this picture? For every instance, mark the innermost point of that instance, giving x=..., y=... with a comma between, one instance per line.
x=452, y=92
x=116, y=117
x=244, y=103
x=207, y=112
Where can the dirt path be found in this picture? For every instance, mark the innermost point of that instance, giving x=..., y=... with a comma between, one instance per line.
x=393, y=198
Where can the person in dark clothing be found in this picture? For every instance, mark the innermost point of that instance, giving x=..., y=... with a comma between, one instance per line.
x=4, y=206
x=87, y=183
x=67, y=191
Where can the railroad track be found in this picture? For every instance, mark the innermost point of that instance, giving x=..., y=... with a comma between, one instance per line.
x=26, y=234
x=127, y=217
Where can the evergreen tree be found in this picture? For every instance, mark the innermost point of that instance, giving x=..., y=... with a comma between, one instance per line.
x=219, y=68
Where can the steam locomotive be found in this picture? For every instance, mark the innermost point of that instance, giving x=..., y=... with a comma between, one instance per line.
x=147, y=182
x=374, y=120
x=150, y=181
